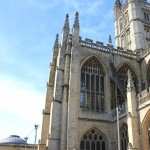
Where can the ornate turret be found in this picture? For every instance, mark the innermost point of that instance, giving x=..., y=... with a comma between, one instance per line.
x=136, y=15
x=110, y=39
x=117, y=3
x=55, y=49
x=132, y=115
x=130, y=83
x=56, y=43
x=66, y=27
x=76, y=21
x=66, y=30
x=76, y=29
x=117, y=8
x=117, y=14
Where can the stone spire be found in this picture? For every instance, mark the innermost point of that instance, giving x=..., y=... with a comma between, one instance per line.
x=110, y=39
x=117, y=3
x=76, y=30
x=132, y=114
x=66, y=27
x=55, y=50
x=76, y=21
x=65, y=33
x=56, y=43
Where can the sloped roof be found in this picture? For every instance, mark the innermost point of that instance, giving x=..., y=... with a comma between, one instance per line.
x=13, y=139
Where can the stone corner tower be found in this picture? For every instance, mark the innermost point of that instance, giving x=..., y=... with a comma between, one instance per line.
x=129, y=24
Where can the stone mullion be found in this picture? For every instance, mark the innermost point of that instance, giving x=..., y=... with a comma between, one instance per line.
x=90, y=107
x=99, y=93
x=86, y=101
x=95, y=92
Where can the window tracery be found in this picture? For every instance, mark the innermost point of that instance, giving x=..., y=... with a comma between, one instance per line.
x=124, y=137
x=93, y=140
x=92, y=86
x=148, y=75
x=122, y=80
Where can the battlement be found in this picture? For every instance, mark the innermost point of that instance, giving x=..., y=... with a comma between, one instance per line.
x=89, y=43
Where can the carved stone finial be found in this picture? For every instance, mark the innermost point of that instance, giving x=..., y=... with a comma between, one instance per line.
x=66, y=24
x=56, y=44
x=76, y=21
x=130, y=82
x=110, y=40
x=117, y=3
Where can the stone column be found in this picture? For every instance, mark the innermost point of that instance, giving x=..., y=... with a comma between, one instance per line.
x=73, y=102
x=107, y=93
x=49, y=98
x=56, y=105
x=132, y=118
x=63, y=145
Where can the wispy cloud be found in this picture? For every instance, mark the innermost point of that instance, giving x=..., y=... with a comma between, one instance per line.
x=85, y=7
x=28, y=28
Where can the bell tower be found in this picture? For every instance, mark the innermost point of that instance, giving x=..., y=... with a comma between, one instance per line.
x=129, y=24
x=136, y=16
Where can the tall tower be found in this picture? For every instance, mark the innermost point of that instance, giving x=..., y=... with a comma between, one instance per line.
x=129, y=24
x=136, y=16
x=117, y=12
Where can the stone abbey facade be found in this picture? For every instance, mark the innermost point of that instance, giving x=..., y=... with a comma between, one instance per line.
x=89, y=80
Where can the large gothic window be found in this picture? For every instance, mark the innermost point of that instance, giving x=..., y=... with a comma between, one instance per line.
x=92, y=86
x=124, y=137
x=122, y=85
x=93, y=140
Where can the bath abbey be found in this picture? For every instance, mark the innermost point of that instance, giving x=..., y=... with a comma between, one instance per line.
x=98, y=95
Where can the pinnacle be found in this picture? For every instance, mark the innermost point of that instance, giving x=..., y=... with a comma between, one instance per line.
x=76, y=21
x=117, y=3
x=66, y=24
x=110, y=40
x=130, y=83
x=56, y=44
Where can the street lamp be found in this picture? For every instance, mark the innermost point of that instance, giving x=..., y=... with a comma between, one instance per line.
x=118, y=126
x=35, y=127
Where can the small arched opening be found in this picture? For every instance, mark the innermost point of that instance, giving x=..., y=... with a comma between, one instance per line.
x=124, y=137
x=146, y=131
x=119, y=88
x=93, y=140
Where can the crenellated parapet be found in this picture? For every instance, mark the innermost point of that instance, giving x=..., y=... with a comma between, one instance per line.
x=107, y=48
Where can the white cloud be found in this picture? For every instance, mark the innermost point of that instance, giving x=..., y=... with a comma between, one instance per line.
x=21, y=105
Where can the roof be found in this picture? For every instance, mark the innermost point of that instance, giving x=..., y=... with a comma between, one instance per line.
x=13, y=139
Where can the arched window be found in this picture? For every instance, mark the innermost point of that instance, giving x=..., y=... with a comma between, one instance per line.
x=92, y=86
x=93, y=140
x=124, y=137
x=122, y=81
x=146, y=131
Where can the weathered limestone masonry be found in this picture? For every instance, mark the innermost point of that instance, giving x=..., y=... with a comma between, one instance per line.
x=89, y=79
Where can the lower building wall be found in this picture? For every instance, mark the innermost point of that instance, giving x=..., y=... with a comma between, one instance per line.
x=105, y=128
x=18, y=147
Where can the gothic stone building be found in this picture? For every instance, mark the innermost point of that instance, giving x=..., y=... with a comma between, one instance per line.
x=98, y=96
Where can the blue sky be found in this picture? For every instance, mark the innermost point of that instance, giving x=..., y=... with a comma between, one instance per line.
x=27, y=33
